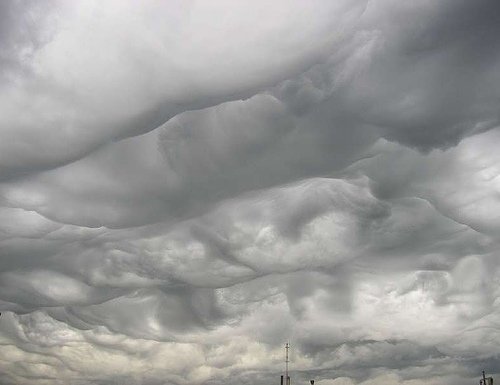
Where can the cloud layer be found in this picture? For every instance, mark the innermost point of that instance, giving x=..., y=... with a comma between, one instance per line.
x=186, y=186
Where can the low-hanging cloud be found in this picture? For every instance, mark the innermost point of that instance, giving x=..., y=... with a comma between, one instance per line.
x=186, y=186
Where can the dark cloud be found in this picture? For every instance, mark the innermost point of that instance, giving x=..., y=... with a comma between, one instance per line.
x=186, y=186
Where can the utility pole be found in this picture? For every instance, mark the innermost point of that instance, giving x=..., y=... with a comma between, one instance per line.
x=486, y=380
x=287, y=378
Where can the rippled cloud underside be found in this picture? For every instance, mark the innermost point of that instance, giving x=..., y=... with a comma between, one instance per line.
x=187, y=185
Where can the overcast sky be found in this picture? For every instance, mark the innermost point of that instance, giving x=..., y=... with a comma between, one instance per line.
x=186, y=185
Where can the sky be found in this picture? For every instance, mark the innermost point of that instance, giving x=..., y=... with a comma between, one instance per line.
x=185, y=186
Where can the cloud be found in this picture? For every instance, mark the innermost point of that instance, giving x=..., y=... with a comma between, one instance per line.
x=118, y=70
x=184, y=187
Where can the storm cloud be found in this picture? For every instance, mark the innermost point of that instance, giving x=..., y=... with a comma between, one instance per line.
x=186, y=186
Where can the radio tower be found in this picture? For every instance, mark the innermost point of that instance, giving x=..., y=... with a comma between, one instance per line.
x=287, y=379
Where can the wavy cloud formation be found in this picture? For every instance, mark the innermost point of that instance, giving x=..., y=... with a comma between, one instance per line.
x=186, y=186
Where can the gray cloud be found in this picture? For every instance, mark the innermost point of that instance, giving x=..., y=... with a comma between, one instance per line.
x=184, y=187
